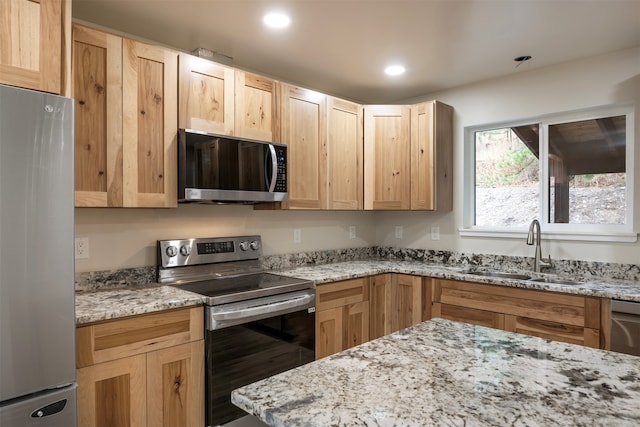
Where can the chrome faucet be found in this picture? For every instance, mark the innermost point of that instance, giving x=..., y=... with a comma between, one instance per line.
x=538, y=261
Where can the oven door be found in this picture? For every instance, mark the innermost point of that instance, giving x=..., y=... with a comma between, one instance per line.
x=254, y=349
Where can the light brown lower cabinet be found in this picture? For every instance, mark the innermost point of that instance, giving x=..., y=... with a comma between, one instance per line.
x=562, y=317
x=342, y=316
x=145, y=370
x=395, y=303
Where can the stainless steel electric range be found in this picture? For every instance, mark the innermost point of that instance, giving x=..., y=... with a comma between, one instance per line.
x=257, y=324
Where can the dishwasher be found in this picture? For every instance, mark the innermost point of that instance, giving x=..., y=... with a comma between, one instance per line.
x=625, y=327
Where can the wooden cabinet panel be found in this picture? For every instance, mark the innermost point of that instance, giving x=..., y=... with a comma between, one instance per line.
x=257, y=105
x=113, y=393
x=32, y=45
x=345, y=155
x=206, y=96
x=149, y=125
x=431, y=156
x=342, y=316
x=469, y=315
x=381, y=306
x=561, y=317
x=138, y=334
x=387, y=165
x=339, y=294
x=408, y=301
x=97, y=89
x=304, y=131
x=176, y=386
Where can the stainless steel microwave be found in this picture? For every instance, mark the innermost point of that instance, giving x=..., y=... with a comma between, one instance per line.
x=228, y=169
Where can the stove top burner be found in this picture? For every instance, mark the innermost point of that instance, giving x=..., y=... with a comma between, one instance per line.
x=240, y=288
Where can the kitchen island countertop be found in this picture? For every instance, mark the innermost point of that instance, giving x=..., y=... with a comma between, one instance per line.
x=447, y=373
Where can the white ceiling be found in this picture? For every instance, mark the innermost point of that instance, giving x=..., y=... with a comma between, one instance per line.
x=341, y=47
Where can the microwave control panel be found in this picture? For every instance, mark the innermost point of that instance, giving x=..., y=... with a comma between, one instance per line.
x=281, y=178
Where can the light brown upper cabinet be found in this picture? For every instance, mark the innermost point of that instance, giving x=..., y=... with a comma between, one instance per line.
x=224, y=101
x=304, y=130
x=257, y=107
x=97, y=90
x=387, y=147
x=125, y=145
x=408, y=157
x=345, y=153
x=431, y=156
x=33, y=51
x=206, y=96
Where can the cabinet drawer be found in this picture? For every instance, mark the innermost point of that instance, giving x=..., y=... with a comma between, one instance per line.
x=136, y=335
x=469, y=315
x=338, y=294
x=553, y=331
x=550, y=306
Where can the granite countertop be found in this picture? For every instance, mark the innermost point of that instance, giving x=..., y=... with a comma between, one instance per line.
x=95, y=306
x=447, y=373
x=111, y=304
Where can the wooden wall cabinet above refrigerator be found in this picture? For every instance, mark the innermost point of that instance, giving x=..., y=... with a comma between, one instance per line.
x=35, y=38
x=126, y=121
x=222, y=100
x=408, y=157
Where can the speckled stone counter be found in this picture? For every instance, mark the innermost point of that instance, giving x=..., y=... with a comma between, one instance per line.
x=111, y=304
x=442, y=373
x=608, y=288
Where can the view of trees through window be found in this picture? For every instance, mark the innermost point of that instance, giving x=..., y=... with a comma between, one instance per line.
x=586, y=169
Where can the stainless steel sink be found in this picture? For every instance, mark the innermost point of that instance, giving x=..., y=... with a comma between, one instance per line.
x=557, y=281
x=499, y=274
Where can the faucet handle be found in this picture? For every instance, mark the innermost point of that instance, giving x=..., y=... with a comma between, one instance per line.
x=546, y=262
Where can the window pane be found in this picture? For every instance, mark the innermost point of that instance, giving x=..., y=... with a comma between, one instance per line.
x=587, y=171
x=507, y=176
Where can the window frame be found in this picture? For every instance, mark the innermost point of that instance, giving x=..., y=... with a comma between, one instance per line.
x=552, y=231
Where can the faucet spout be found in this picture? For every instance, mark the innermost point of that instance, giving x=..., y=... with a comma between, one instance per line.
x=534, y=237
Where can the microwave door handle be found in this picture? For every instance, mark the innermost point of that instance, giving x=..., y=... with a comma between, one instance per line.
x=274, y=168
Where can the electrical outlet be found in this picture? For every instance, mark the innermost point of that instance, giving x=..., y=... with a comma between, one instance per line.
x=398, y=232
x=352, y=231
x=297, y=235
x=82, y=247
x=435, y=233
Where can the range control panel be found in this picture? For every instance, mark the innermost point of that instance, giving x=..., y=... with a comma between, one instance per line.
x=184, y=252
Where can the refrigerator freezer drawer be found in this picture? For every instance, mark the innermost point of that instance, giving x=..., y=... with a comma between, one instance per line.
x=54, y=409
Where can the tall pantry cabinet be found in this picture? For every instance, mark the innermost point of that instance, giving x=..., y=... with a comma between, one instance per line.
x=125, y=145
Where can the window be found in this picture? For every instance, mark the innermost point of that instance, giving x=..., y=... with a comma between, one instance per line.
x=574, y=173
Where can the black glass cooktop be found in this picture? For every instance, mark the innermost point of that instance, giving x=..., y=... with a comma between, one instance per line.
x=241, y=288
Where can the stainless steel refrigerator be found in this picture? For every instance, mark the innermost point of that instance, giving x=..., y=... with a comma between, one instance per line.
x=37, y=315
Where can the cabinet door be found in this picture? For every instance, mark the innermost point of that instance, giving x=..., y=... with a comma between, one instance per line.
x=386, y=157
x=257, y=107
x=431, y=156
x=175, y=378
x=381, y=306
x=407, y=301
x=345, y=151
x=149, y=125
x=304, y=131
x=206, y=96
x=31, y=48
x=97, y=90
x=113, y=393
x=329, y=332
x=356, y=324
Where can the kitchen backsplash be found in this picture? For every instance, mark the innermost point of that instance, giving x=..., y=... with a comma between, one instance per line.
x=143, y=276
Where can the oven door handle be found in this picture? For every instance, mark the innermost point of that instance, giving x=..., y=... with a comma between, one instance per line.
x=247, y=311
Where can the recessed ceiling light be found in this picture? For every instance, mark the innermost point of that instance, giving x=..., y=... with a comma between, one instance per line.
x=394, y=70
x=276, y=20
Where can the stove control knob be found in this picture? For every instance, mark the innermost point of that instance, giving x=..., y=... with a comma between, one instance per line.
x=255, y=245
x=244, y=246
x=185, y=250
x=171, y=251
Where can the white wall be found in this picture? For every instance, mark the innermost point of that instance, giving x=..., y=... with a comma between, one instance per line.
x=606, y=79
x=121, y=238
